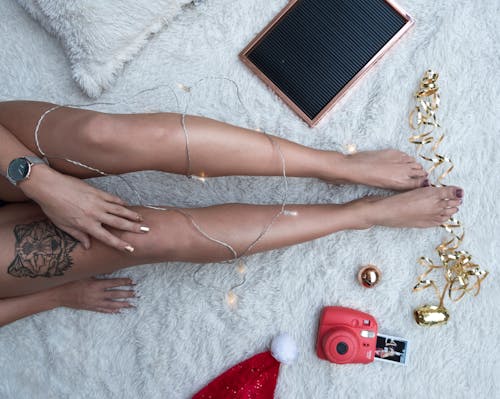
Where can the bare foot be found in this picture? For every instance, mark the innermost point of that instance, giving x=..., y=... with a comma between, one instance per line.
x=390, y=169
x=423, y=207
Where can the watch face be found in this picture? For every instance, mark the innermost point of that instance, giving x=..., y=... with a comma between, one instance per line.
x=18, y=169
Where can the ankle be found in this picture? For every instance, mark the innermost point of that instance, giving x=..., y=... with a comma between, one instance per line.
x=362, y=214
x=367, y=216
x=332, y=165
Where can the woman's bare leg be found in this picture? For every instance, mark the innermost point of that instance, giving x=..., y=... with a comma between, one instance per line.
x=34, y=255
x=126, y=143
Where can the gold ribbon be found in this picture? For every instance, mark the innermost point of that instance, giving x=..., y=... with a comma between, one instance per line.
x=461, y=275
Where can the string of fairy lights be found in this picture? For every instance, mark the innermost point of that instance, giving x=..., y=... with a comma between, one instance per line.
x=448, y=254
x=238, y=259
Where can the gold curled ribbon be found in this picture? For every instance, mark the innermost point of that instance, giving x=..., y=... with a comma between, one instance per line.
x=461, y=275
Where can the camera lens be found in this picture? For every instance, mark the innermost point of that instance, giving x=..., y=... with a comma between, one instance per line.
x=342, y=348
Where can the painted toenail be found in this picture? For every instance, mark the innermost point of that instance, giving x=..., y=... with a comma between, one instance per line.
x=459, y=193
x=425, y=183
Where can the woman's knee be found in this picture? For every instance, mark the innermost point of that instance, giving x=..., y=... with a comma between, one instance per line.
x=166, y=238
x=97, y=131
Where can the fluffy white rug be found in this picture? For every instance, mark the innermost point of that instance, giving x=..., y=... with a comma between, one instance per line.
x=182, y=335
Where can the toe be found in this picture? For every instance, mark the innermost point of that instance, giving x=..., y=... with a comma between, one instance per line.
x=452, y=203
x=452, y=193
x=443, y=218
x=420, y=182
x=449, y=211
x=417, y=173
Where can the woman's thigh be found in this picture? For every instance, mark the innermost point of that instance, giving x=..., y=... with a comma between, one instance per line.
x=36, y=255
x=65, y=129
x=21, y=117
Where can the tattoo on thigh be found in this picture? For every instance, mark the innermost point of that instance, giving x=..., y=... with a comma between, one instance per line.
x=42, y=250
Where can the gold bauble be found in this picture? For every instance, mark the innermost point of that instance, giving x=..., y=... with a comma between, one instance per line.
x=431, y=315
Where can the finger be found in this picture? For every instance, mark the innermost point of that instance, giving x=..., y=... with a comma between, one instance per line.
x=119, y=294
x=112, y=198
x=124, y=212
x=80, y=236
x=123, y=224
x=114, y=282
x=114, y=305
x=113, y=241
x=104, y=310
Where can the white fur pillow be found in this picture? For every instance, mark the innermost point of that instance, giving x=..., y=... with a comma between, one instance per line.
x=100, y=36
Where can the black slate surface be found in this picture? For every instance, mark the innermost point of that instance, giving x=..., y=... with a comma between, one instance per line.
x=318, y=46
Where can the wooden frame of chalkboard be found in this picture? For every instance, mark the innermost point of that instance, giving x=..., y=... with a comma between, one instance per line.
x=292, y=88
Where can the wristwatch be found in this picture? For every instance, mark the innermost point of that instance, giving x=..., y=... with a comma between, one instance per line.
x=20, y=168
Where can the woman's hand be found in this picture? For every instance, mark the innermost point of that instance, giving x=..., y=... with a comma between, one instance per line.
x=95, y=294
x=80, y=209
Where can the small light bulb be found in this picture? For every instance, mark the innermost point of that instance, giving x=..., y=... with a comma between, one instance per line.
x=184, y=87
x=200, y=177
x=232, y=299
x=241, y=267
x=351, y=148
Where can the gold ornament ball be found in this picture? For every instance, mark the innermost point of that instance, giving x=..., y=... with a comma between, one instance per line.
x=369, y=276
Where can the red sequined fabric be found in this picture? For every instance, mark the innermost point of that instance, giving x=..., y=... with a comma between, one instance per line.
x=254, y=378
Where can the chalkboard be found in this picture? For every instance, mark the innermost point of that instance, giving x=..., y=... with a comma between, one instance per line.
x=314, y=50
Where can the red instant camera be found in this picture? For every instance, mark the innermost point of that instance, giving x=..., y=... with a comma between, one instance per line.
x=346, y=336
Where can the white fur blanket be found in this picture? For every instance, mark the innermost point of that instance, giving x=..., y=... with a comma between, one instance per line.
x=182, y=335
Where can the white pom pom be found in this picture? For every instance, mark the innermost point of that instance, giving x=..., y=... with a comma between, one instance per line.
x=284, y=349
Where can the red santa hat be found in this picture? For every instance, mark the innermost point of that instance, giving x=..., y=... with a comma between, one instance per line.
x=255, y=377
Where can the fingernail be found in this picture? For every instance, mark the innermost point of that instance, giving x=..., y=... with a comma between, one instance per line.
x=425, y=183
x=144, y=229
x=129, y=248
x=140, y=218
x=459, y=193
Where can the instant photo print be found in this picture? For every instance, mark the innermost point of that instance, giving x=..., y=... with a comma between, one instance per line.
x=391, y=349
